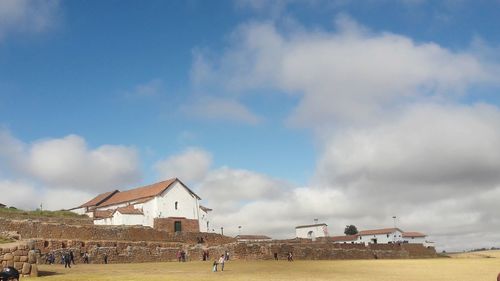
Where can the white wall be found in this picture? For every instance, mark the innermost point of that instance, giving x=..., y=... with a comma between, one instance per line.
x=414, y=240
x=303, y=232
x=382, y=238
x=203, y=220
x=162, y=206
x=127, y=219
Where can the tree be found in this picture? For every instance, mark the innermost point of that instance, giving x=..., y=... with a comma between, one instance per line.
x=350, y=230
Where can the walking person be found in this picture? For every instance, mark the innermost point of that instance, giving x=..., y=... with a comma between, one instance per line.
x=86, y=258
x=222, y=259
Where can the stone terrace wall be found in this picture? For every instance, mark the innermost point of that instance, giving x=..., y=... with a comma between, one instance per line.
x=132, y=252
x=36, y=229
x=22, y=257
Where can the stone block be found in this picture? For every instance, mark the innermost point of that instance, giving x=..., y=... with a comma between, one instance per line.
x=22, y=247
x=9, y=263
x=13, y=249
x=34, y=270
x=32, y=256
x=26, y=268
x=18, y=265
x=8, y=257
x=23, y=258
x=17, y=258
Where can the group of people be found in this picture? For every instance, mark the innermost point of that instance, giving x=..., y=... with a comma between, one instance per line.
x=68, y=258
x=221, y=261
x=181, y=256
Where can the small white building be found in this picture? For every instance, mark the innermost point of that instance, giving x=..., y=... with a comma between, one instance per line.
x=311, y=231
x=167, y=200
x=381, y=236
x=414, y=238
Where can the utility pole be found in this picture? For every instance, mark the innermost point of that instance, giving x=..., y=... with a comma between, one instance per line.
x=221, y=230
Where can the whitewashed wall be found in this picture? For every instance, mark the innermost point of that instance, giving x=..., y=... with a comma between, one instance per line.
x=162, y=206
x=393, y=237
x=304, y=232
x=203, y=221
x=415, y=240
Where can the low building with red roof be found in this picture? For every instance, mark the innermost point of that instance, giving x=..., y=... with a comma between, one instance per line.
x=161, y=203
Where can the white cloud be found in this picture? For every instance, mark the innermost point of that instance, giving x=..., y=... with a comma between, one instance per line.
x=64, y=166
x=350, y=74
x=27, y=16
x=189, y=166
x=393, y=137
x=221, y=110
x=68, y=162
x=435, y=167
x=148, y=89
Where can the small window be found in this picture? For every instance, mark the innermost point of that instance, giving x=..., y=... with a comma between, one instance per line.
x=176, y=204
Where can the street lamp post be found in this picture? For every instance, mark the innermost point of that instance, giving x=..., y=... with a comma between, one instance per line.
x=394, y=236
x=222, y=230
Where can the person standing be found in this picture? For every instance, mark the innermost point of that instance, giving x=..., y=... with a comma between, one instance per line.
x=222, y=259
x=214, y=266
x=86, y=258
x=105, y=258
x=178, y=256
x=67, y=261
x=71, y=257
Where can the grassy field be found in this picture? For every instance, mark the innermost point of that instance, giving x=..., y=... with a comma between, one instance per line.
x=357, y=270
x=480, y=254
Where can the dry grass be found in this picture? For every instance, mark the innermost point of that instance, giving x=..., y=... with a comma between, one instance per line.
x=356, y=270
x=480, y=254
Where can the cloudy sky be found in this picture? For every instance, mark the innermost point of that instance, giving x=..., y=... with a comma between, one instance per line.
x=275, y=112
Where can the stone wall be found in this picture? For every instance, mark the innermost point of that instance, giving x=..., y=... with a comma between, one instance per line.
x=36, y=229
x=22, y=257
x=133, y=252
x=167, y=224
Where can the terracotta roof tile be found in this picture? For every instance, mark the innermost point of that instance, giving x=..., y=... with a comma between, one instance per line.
x=138, y=193
x=344, y=238
x=413, y=234
x=129, y=210
x=103, y=214
x=99, y=199
x=379, y=231
x=311, y=225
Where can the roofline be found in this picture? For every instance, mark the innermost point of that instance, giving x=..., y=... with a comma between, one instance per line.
x=310, y=225
x=389, y=230
x=185, y=186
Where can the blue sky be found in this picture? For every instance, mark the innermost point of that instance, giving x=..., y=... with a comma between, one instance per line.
x=311, y=100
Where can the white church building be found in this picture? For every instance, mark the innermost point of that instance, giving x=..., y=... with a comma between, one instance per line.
x=169, y=205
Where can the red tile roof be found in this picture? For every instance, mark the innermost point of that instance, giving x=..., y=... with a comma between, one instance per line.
x=413, y=234
x=344, y=238
x=129, y=210
x=138, y=193
x=311, y=225
x=103, y=214
x=379, y=231
x=99, y=199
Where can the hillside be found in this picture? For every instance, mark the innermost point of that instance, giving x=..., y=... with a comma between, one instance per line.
x=47, y=216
